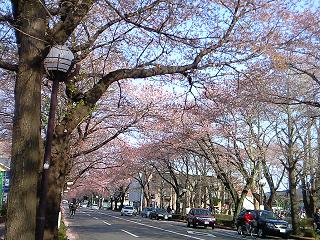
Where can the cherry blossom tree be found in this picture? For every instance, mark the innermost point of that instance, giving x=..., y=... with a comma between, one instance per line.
x=114, y=40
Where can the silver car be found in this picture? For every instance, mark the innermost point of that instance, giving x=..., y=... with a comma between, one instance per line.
x=128, y=211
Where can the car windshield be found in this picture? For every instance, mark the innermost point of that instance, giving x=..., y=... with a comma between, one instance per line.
x=160, y=210
x=269, y=215
x=201, y=212
x=128, y=207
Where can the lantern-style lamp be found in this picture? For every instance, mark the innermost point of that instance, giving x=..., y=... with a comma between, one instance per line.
x=58, y=62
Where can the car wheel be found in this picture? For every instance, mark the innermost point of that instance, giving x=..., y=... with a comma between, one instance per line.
x=261, y=233
x=212, y=227
x=239, y=230
x=194, y=225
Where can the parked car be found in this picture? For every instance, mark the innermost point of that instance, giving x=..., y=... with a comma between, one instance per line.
x=128, y=211
x=200, y=217
x=146, y=211
x=267, y=223
x=160, y=213
x=94, y=206
x=84, y=205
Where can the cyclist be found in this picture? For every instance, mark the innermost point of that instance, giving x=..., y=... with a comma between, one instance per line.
x=248, y=221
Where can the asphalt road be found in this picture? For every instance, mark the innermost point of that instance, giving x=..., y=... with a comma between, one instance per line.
x=90, y=224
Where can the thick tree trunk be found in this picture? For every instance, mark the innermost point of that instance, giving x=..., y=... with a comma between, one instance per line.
x=26, y=157
x=57, y=174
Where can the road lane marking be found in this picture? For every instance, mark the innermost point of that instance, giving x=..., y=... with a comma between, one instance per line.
x=89, y=214
x=205, y=234
x=129, y=233
x=106, y=223
x=96, y=218
x=150, y=226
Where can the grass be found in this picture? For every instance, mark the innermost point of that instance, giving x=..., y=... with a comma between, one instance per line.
x=62, y=234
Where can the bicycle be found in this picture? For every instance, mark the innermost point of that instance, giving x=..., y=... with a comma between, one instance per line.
x=248, y=229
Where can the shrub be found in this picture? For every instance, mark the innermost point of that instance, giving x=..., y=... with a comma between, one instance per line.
x=309, y=233
x=225, y=220
x=62, y=234
x=306, y=223
x=3, y=211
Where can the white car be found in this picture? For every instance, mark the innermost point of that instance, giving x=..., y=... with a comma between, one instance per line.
x=128, y=211
x=84, y=205
x=94, y=206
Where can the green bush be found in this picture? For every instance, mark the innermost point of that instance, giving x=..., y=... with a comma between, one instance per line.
x=3, y=211
x=62, y=234
x=309, y=233
x=224, y=217
x=306, y=223
x=225, y=220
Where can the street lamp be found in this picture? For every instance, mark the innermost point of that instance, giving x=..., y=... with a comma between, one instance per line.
x=261, y=185
x=57, y=64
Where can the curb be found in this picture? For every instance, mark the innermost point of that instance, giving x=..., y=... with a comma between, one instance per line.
x=302, y=238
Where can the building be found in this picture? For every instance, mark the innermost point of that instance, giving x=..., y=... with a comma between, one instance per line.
x=4, y=180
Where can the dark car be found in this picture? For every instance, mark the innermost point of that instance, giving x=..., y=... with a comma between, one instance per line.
x=267, y=223
x=200, y=217
x=160, y=213
x=146, y=211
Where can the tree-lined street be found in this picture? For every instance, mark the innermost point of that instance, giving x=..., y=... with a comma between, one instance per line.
x=168, y=104
x=90, y=224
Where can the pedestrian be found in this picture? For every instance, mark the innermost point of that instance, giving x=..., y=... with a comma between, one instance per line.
x=169, y=209
x=73, y=209
x=70, y=207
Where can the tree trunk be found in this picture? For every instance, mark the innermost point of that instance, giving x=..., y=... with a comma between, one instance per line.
x=57, y=174
x=305, y=197
x=270, y=200
x=293, y=200
x=178, y=205
x=25, y=152
x=111, y=204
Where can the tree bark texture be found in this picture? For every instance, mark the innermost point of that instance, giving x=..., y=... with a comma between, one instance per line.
x=57, y=173
x=26, y=159
x=294, y=203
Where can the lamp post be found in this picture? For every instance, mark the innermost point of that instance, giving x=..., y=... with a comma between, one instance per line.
x=261, y=184
x=184, y=201
x=57, y=64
